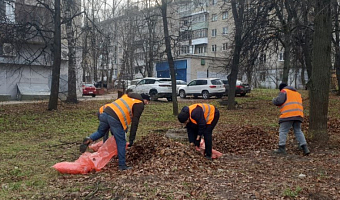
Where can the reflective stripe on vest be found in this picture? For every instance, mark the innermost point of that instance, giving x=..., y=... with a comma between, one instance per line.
x=123, y=109
x=208, y=110
x=293, y=105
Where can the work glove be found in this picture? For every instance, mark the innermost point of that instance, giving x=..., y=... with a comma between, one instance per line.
x=130, y=143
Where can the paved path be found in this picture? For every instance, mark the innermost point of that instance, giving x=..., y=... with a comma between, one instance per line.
x=112, y=96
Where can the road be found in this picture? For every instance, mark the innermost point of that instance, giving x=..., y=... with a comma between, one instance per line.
x=111, y=96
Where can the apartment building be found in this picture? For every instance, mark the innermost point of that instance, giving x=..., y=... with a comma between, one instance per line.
x=25, y=52
x=205, y=45
x=202, y=33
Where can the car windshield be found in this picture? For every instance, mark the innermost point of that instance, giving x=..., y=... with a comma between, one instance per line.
x=89, y=85
x=134, y=82
x=180, y=82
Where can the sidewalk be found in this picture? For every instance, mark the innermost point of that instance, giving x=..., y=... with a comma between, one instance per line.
x=111, y=96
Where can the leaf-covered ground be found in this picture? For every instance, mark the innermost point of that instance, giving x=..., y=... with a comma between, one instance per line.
x=168, y=169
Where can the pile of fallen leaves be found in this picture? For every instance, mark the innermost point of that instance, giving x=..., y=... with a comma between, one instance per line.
x=156, y=152
x=240, y=140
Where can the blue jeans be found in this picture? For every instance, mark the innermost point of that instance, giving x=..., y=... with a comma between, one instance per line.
x=119, y=133
x=103, y=127
x=284, y=129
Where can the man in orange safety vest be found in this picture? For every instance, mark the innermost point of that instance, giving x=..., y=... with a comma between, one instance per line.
x=290, y=103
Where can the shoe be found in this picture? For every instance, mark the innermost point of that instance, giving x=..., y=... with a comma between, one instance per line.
x=280, y=150
x=85, y=144
x=208, y=158
x=123, y=167
x=305, y=149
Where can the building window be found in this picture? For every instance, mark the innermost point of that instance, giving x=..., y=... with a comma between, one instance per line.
x=225, y=31
x=200, y=49
x=224, y=46
x=184, y=7
x=213, y=2
x=201, y=33
x=213, y=47
x=7, y=10
x=281, y=58
x=225, y=15
x=213, y=32
x=263, y=76
x=262, y=58
x=184, y=50
x=213, y=17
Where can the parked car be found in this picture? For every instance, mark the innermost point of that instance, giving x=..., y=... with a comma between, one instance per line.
x=122, y=83
x=241, y=88
x=205, y=87
x=99, y=84
x=179, y=83
x=89, y=90
x=133, y=84
x=155, y=87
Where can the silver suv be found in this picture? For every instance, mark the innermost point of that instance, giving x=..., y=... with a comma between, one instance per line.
x=205, y=87
x=155, y=87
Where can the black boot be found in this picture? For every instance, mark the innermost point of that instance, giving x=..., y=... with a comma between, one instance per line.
x=305, y=149
x=280, y=150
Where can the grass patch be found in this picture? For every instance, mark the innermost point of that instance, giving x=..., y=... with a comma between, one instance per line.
x=292, y=192
x=34, y=139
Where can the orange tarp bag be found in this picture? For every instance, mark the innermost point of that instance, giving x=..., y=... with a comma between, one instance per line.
x=214, y=154
x=90, y=161
x=96, y=145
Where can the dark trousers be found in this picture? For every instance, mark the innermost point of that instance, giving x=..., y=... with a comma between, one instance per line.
x=192, y=130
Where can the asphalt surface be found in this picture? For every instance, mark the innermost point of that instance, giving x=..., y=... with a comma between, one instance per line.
x=110, y=96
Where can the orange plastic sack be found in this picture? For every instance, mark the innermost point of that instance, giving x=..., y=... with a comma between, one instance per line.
x=214, y=154
x=96, y=146
x=90, y=161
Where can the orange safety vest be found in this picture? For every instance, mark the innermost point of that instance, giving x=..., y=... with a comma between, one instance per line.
x=209, y=112
x=101, y=109
x=293, y=105
x=123, y=109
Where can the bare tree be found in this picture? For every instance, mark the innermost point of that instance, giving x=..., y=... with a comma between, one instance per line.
x=320, y=79
x=336, y=40
x=53, y=102
x=164, y=10
x=70, y=33
x=249, y=16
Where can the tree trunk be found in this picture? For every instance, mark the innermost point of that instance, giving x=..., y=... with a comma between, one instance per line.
x=53, y=102
x=238, y=19
x=337, y=43
x=72, y=79
x=286, y=56
x=170, y=58
x=338, y=78
x=320, y=80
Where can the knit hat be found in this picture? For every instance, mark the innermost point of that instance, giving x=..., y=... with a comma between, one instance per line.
x=282, y=85
x=145, y=96
x=183, y=116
